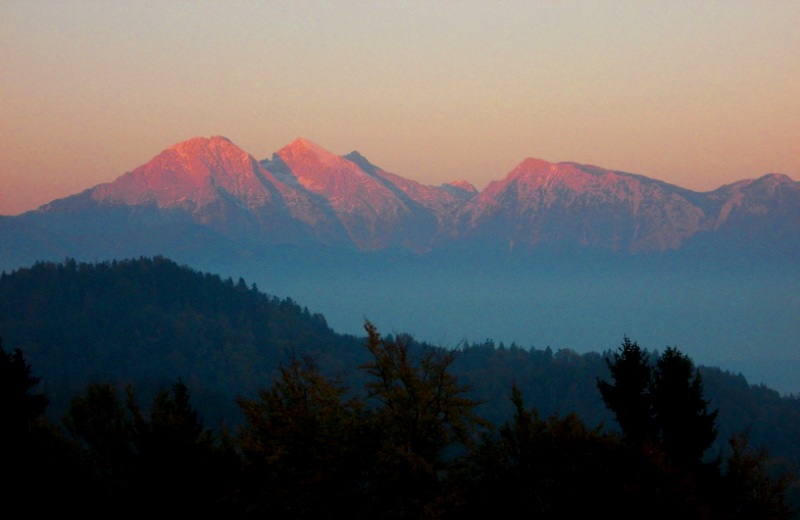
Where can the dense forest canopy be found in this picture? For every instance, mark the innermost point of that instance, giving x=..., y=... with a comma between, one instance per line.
x=88, y=331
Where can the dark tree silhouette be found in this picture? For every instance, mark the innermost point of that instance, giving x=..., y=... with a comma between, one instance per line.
x=40, y=469
x=421, y=411
x=687, y=428
x=629, y=395
x=661, y=404
x=559, y=468
x=751, y=491
x=18, y=406
x=178, y=467
x=300, y=447
x=96, y=420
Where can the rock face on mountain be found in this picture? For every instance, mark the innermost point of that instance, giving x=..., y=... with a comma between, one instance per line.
x=544, y=203
x=772, y=200
x=213, y=183
x=377, y=209
x=568, y=204
x=193, y=175
x=305, y=196
x=755, y=214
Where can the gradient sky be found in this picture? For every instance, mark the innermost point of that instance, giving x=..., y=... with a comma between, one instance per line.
x=696, y=93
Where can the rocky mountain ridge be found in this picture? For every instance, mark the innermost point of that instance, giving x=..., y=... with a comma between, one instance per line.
x=307, y=196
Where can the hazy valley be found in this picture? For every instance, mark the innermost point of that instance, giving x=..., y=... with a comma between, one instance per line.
x=561, y=255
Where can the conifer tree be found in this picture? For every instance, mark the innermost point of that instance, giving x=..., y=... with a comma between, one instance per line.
x=97, y=421
x=178, y=468
x=41, y=471
x=661, y=404
x=18, y=406
x=686, y=426
x=629, y=395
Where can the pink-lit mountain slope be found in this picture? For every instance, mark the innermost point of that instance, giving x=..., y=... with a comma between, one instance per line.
x=367, y=209
x=209, y=190
x=772, y=197
x=542, y=203
x=757, y=213
x=213, y=183
x=378, y=209
x=303, y=195
x=193, y=175
x=443, y=200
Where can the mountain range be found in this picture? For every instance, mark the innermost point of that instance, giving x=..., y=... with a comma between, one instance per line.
x=554, y=254
x=306, y=196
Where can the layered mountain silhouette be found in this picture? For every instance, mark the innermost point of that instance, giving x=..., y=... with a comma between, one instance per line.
x=559, y=254
x=209, y=191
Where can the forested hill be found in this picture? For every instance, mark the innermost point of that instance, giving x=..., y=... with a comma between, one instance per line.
x=149, y=322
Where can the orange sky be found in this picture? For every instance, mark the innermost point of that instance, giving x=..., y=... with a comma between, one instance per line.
x=697, y=93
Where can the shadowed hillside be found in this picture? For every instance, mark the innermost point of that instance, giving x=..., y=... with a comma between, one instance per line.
x=151, y=321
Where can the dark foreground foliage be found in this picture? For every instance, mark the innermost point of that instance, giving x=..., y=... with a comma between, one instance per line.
x=408, y=446
x=149, y=321
x=300, y=422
